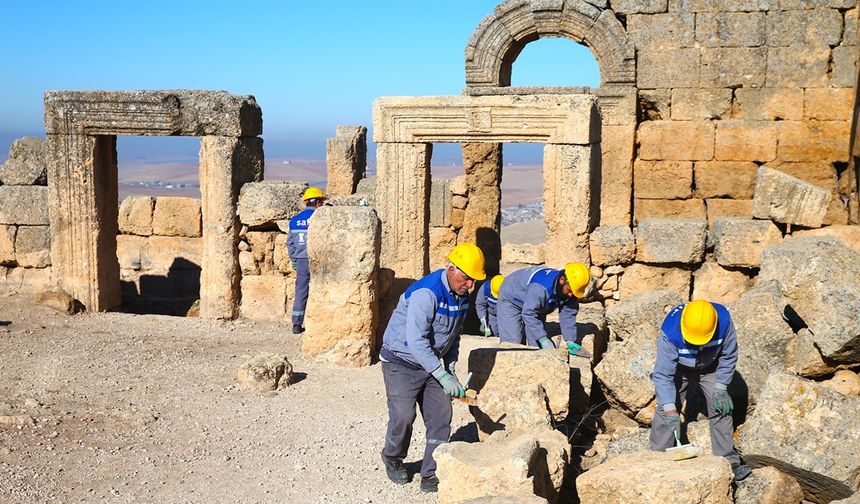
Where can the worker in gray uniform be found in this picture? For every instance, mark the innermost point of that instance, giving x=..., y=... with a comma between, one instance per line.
x=419, y=354
x=529, y=294
x=697, y=344
x=297, y=247
x=485, y=305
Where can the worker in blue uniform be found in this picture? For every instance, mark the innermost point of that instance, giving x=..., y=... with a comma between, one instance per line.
x=420, y=348
x=697, y=344
x=297, y=247
x=485, y=305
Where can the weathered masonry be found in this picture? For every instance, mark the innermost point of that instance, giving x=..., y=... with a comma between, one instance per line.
x=82, y=129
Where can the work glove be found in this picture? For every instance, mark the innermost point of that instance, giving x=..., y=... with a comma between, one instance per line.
x=545, y=343
x=575, y=349
x=293, y=263
x=721, y=401
x=673, y=419
x=485, y=328
x=449, y=382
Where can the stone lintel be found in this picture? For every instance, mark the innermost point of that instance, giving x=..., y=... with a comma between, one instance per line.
x=155, y=113
x=556, y=119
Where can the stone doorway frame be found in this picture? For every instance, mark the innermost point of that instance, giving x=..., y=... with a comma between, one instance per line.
x=406, y=127
x=82, y=127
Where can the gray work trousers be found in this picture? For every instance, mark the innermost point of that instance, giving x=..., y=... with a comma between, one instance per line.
x=405, y=387
x=722, y=443
x=510, y=322
x=303, y=283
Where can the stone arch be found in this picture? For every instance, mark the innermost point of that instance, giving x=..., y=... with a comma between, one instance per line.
x=501, y=36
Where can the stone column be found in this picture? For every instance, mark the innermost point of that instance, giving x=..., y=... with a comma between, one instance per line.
x=82, y=175
x=346, y=159
x=617, y=138
x=402, y=195
x=225, y=164
x=482, y=163
x=343, y=308
x=567, y=202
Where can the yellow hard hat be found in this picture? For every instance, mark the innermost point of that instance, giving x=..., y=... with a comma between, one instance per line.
x=496, y=284
x=698, y=322
x=313, y=193
x=469, y=258
x=578, y=277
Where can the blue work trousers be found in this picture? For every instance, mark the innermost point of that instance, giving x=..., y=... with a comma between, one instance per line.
x=303, y=282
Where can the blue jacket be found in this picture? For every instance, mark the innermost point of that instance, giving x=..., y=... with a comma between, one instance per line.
x=297, y=240
x=427, y=323
x=532, y=290
x=674, y=353
x=485, y=303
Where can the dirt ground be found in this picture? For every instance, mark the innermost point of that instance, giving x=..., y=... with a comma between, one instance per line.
x=143, y=408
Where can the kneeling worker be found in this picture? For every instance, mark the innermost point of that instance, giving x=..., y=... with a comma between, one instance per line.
x=697, y=344
x=485, y=305
x=529, y=294
x=419, y=353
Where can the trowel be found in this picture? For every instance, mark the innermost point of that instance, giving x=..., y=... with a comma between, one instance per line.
x=683, y=452
x=578, y=351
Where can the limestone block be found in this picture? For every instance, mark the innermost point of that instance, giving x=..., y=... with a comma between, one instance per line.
x=248, y=264
x=844, y=67
x=33, y=246
x=502, y=368
x=763, y=334
x=343, y=249
x=674, y=209
x=458, y=218
x=33, y=280
x=523, y=253
x=459, y=202
x=727, y=208
x=807, y=431
x=263, y=249
x=849, y=32
x=518, y=408
x=812, y=4
x=616, y=173
x=821, y=174
x=738, y=242
x=700, y=104
x=366, y=186
x=24, y=205
x=611, y=245
x=265, y=371
x=504, y=466
x=27, y=163
x=128, y=251
x=713, y=282
x=459, y=186
x=838, y=212
x=676, y=140
x=732, y=5
x=845, y=382
x=746, y=140
x=768, y=104
x=168, y=253
x=733, y=67
x=264, y=297
x=442, y=240
x=783, y=198
x=655, y=104
x=672, y=30
x=175, y=216
x=567, y=201
x=263, y=203
x=482, y=163
x=820, y=277
x=643, y=277
x=821, y=27
x=135, y=215
x=672, y=69
x=706, y=479
x=848, y=235
x=640, y=6
x=813, y=140
x=731, y=29
x=440, y=203
x=58, y=300
x=175, y=112
x=725, y=179
x=662, y=179
x=808, y=360
x=640, y=317
x=7, y=245
x=797, y=66
x=661, y=241
x=346, y=159
x=828, y=104
x=766, y=485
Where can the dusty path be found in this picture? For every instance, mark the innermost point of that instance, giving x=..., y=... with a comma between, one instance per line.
x=130, y=408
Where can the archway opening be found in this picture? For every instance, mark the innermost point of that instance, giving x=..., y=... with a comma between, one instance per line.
x=555, y=62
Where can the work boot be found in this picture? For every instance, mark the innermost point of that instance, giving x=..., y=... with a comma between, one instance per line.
x=429, y=484
x=297, y=329
x=395, y=470
x=741, y=471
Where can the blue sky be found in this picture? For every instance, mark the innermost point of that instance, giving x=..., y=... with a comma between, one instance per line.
x=311, y=65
